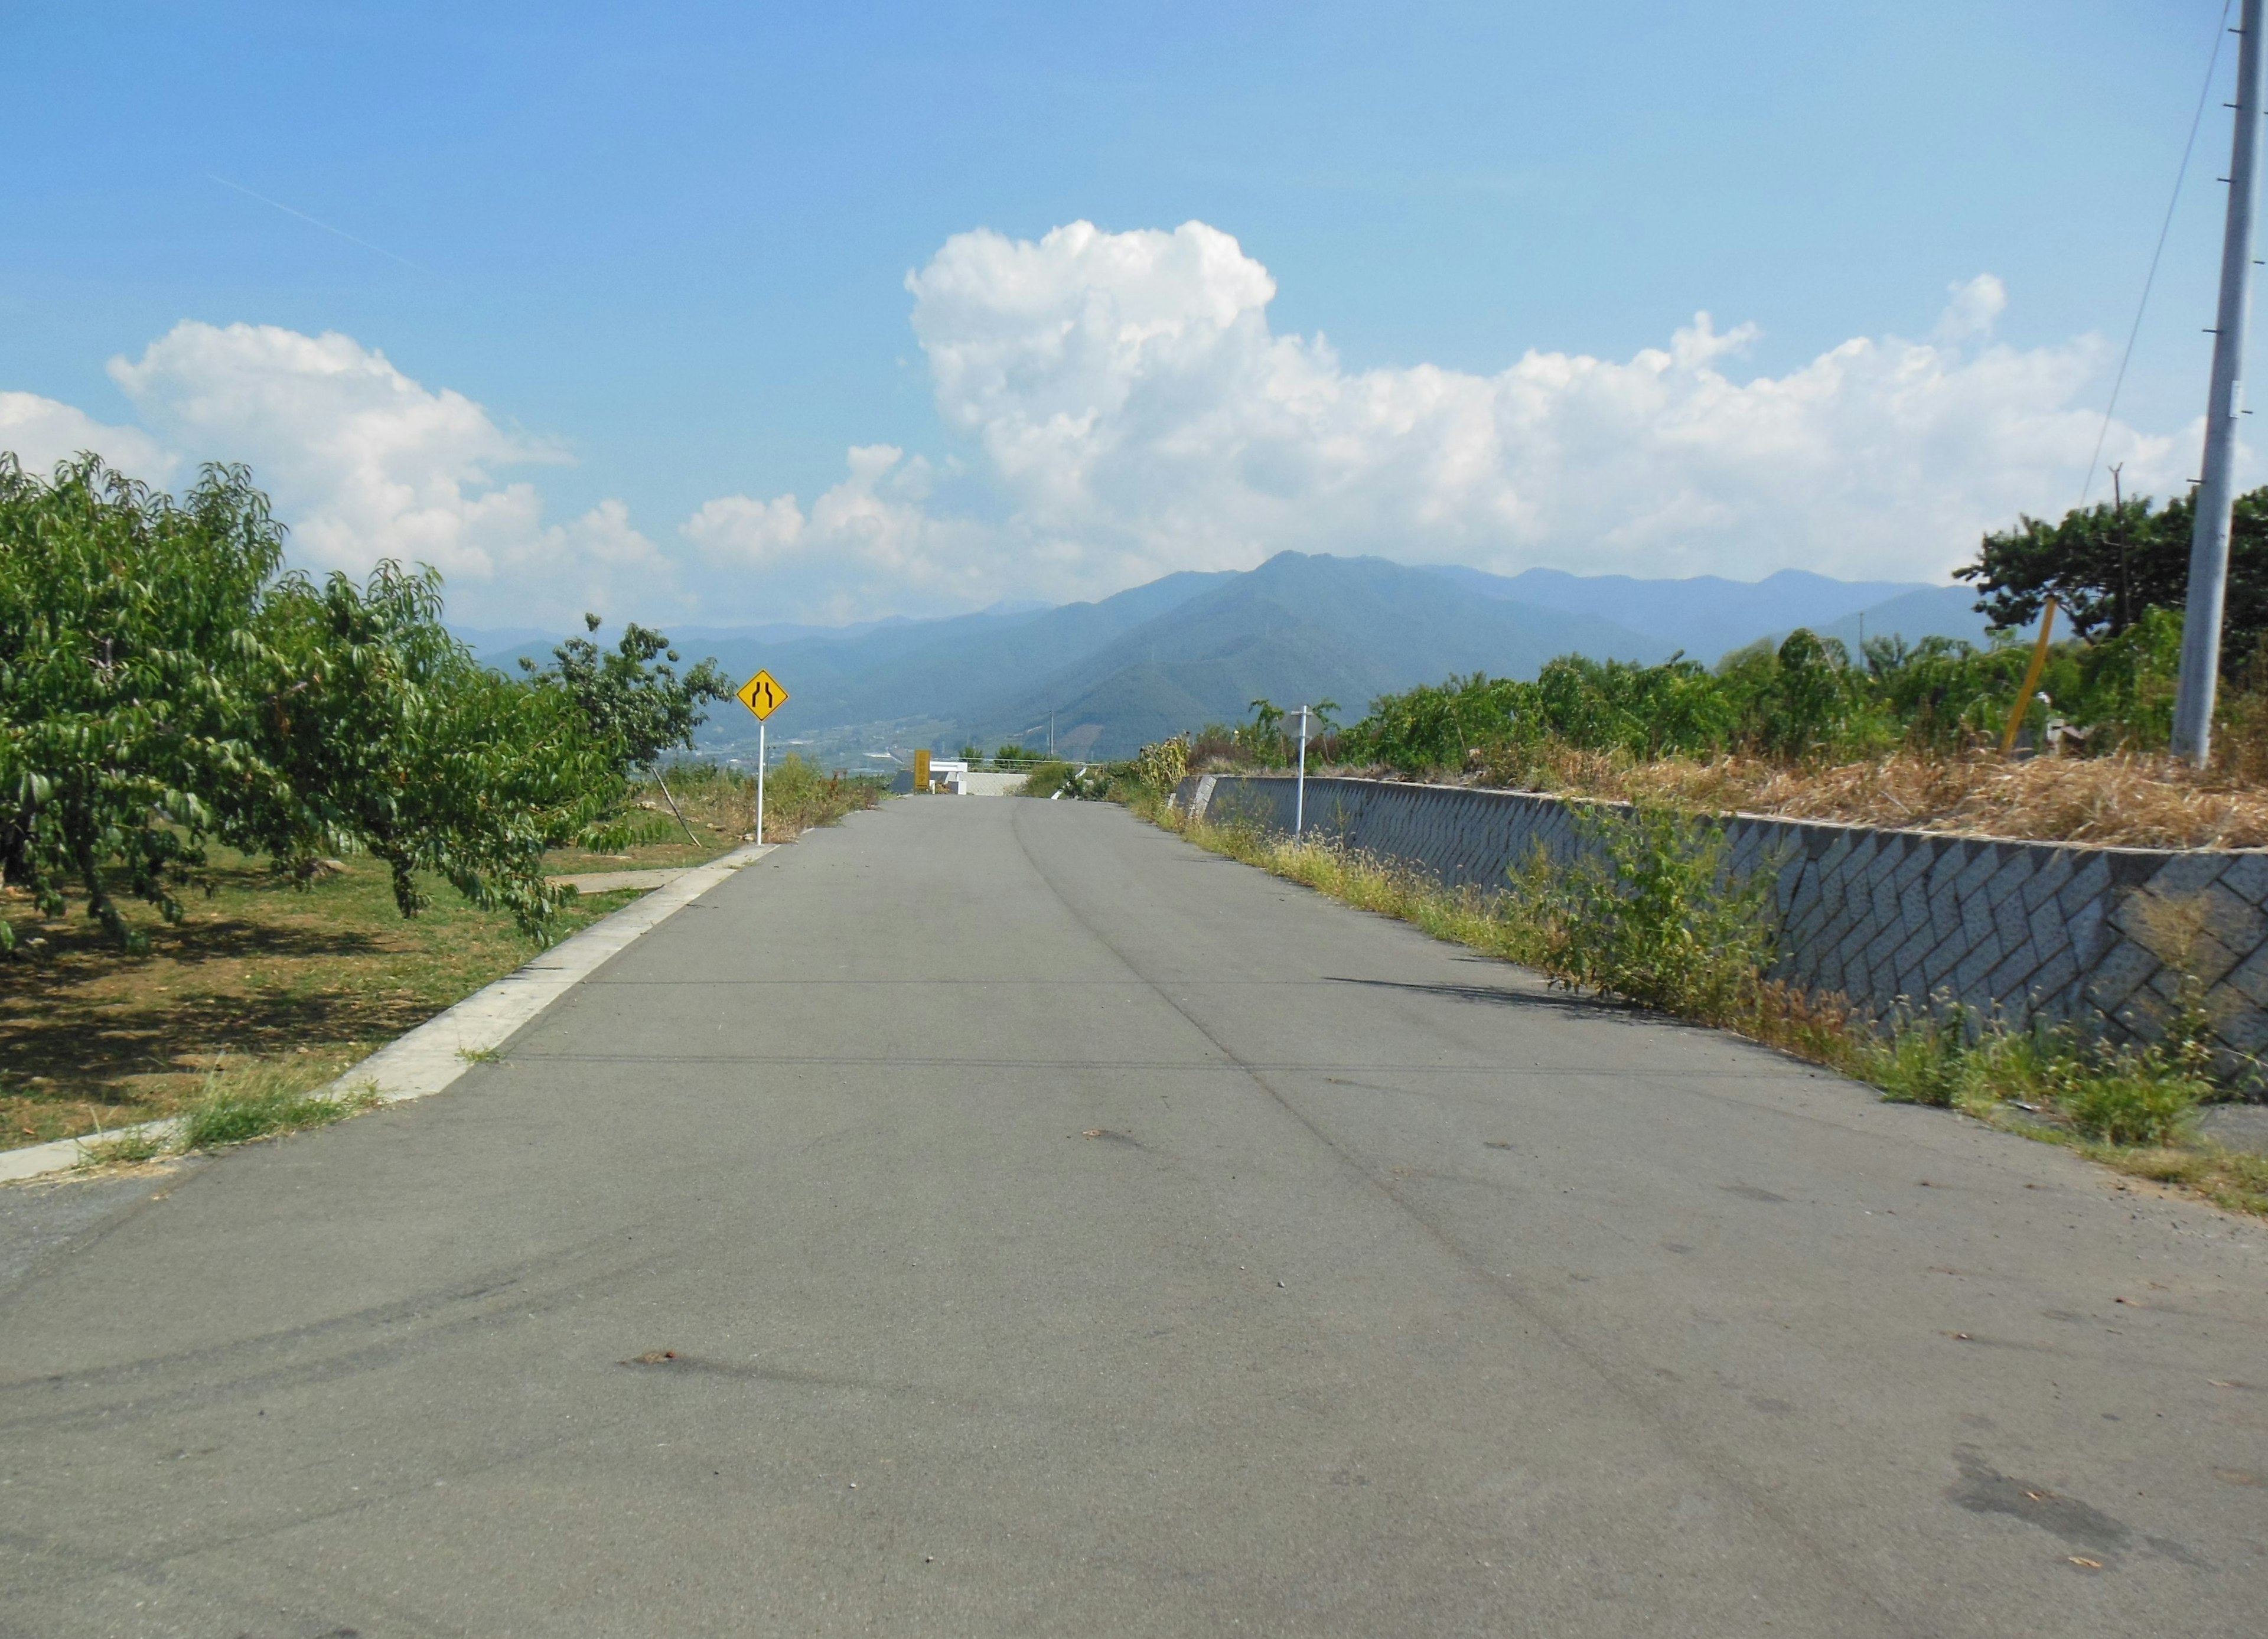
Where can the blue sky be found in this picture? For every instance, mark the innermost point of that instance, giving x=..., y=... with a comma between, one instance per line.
x=671, y=245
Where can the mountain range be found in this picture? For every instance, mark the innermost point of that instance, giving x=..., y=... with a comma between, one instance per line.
x=1097, y=679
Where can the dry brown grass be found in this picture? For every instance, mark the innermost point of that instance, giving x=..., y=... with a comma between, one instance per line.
x=2124, y=799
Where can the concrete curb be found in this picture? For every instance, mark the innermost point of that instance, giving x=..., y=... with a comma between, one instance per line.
x=431, y=1057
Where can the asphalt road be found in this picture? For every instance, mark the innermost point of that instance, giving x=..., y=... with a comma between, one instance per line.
x=1059, y=1230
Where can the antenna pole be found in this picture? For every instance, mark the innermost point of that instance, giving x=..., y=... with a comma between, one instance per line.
x=2193, y=700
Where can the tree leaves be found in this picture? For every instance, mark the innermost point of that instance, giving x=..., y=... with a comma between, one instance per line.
x=164, y=681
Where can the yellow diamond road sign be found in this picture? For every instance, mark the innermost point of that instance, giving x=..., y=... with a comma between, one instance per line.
x=762, y=695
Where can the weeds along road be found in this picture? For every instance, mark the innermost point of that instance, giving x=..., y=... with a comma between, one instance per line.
x=1000, y=1218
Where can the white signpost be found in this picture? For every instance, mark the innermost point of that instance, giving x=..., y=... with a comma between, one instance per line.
x=1303, y=725
x=762, y=695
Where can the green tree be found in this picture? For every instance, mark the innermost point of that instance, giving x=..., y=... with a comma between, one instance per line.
x=131, y=664
x=164, y=681
x=1803, y=699
x=631, y=696
x=392, y=735
x=2108, y=563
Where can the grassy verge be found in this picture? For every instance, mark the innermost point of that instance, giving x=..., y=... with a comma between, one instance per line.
x=1650, y=923
x=262, y=1101
x=260, y=985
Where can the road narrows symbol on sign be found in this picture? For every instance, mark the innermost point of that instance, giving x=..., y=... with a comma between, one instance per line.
x=762, y=695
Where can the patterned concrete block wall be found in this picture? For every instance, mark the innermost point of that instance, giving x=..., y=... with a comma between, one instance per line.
x=2100, y=936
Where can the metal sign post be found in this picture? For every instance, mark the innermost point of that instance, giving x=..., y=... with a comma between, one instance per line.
x=1301, y=725
x=762, y=695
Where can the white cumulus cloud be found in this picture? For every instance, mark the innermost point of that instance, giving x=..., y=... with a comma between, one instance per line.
x=365, y=463
x=1141, y=416
x=40, y=432
x=1127, y=410
x=871, y=542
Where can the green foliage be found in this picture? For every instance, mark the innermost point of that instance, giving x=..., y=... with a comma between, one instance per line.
x=1647, y=910
x=2125, y=684
x=237, y=1115
x=1046, y=779
x=391, y=736
x=2136, y=1097
x=131, y=664
x=1945, y=1054
x=1164, y=765
x=1014, y=756
x=631, y=697
x=1095, y=784
x=164, y=681
x=2108, y=564
x=1801, y=699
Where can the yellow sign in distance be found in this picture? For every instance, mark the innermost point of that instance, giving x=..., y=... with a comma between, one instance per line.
x=762, y=695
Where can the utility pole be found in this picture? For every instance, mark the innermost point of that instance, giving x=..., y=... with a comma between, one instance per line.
x=2126, y=604
x=2193, y=700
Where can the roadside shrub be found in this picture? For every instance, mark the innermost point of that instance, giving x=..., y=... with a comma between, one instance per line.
x=1096, y=782
x=1649, y=910
x=1921, y=1058
x=1046, y=779
x=1164, y=764
x=2131, y=1097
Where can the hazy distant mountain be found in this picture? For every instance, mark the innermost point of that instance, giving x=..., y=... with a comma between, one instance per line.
x=912, y=683
x=500, y=643
x=1706, y=616
x=1297, y=628
x=1933, y=612
x=1196, y=648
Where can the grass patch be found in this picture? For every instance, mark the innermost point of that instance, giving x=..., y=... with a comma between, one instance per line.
x=257, y=972
x=262, y=1105
x=1650, y=916
x=128, y=1149
x=234, y=1106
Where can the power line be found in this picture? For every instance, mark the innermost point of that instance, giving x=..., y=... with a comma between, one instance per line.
x=2181, y=175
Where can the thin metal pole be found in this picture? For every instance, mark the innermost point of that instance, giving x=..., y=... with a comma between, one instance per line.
x=760, y=780
x=2193, y=700
x=1299, y=816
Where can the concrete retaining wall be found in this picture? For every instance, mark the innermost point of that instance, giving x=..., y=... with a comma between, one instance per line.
x=2097, y=935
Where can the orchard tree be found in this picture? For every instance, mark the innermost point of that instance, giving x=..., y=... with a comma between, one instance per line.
x=131, y=659
x=631, y=696
x=165, y=682
x=391, y=735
